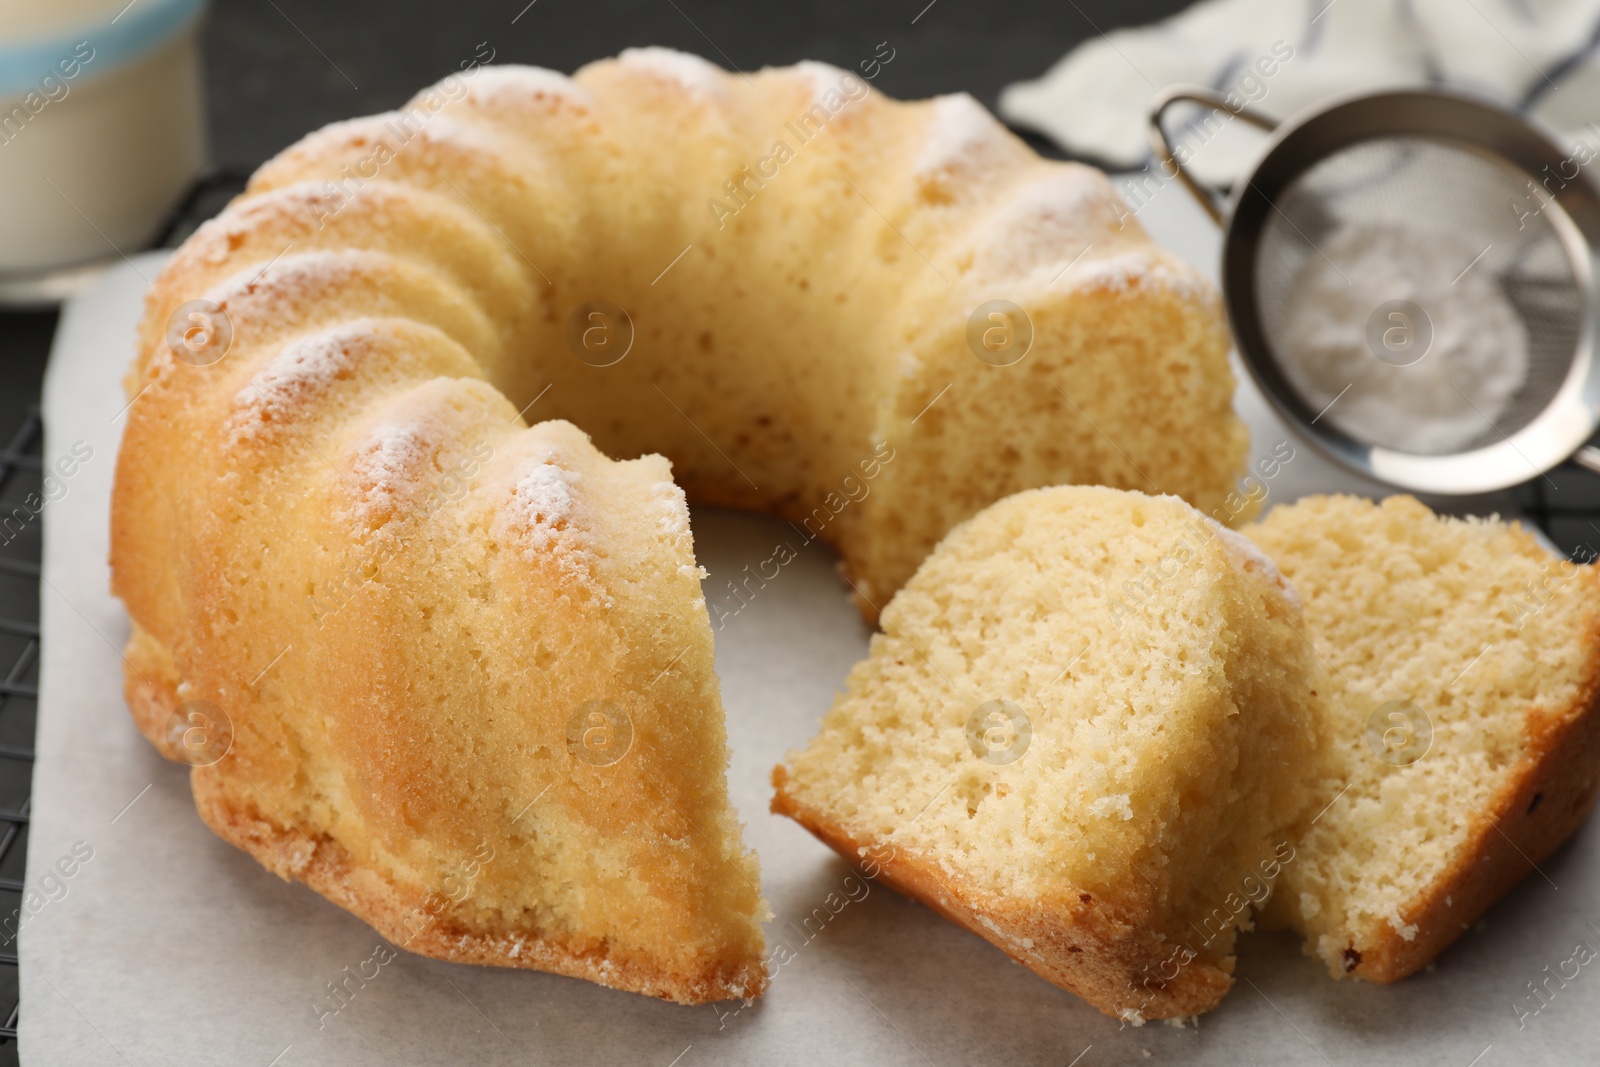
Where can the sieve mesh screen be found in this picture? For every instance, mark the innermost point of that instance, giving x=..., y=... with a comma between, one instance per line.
x=1457, y=233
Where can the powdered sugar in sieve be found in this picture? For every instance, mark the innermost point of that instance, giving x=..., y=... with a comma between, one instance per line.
x=1445, y=369
x=1411, y=277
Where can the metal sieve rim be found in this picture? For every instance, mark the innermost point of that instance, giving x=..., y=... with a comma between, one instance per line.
x=1460, y=121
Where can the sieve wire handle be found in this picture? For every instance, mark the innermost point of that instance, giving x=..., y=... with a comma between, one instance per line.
x=1588, y=457
x=1211, y=199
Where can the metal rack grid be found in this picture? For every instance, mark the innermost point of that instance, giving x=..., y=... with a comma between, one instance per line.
x=21, y=478
x=20, y=481
x=1565, y=504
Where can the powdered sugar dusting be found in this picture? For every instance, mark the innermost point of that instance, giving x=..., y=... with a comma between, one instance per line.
x=689, y=71
x=1137, y=270
x=517, y=86
x=277, y=291
x=474, y=142
x=962, y=140
x=819, y=78
x=301, y=371
x=306, y=157
x=672, y=521
x=1046, y=222
x=302, y=289
x=392, y=460
x=219, y=239
x=265, y=222
x=544, y=498
x=391, y=144
x=545, y=516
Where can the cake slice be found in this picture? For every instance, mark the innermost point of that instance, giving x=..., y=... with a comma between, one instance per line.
x=1463, y=746
x=1083, y=735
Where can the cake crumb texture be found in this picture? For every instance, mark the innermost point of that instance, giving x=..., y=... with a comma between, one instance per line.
x=1083, y=734
x=1462, y=742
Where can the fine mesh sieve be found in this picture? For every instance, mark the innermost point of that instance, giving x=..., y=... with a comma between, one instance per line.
x=1409, y=278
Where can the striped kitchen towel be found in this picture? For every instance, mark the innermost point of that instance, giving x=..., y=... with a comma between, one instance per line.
x=1278, y=57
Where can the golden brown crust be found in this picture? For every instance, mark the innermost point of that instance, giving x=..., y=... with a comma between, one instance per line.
x=150, y=686
x=407, y=921
x=1540, y=806
x=1077, y=943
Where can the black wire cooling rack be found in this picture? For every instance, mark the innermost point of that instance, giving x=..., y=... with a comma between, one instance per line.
x=21, y=486
x=1565, y=504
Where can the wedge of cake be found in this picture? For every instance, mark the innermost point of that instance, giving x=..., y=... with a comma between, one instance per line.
x=1464, y=663
x=1083, y=735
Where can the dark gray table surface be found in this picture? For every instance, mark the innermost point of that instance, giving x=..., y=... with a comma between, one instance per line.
x=277, y=69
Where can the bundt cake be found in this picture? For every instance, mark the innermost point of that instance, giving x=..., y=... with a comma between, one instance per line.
x=787, y=279
x=338, y=538
x=1463, y=743
x=1083, y=735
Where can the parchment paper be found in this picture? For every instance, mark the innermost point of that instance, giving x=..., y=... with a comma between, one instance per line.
x=168, y=947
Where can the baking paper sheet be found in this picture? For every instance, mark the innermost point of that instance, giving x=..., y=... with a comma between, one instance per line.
x=167, y=947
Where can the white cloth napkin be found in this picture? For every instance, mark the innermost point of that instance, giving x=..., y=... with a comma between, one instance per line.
x=1278, y=57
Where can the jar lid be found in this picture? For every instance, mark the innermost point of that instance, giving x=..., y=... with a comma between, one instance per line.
x=90, y=49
